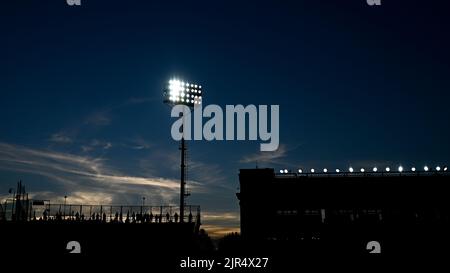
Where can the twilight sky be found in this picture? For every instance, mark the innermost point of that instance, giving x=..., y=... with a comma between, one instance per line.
x=81, y=110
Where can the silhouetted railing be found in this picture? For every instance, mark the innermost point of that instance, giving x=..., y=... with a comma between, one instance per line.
x=39, y=210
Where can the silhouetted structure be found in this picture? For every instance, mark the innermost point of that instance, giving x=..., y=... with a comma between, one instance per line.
x=22, y=209
x=344, y=208
x=98, y=228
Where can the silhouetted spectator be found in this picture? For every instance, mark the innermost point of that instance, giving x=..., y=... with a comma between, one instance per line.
x=175, y=216
x=58, y=216
x=138, y=217
x=167, y=217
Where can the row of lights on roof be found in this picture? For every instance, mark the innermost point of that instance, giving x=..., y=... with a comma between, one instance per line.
x=375, y=169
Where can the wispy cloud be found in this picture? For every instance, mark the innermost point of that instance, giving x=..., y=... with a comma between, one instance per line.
x=94, y=144
x=140, y=143
x=100, y=118
x=103, y=117
x=218, y=224
x=205, y=173
x=266, y=157
x=218, y=231
x=87, y=180
x=85, y=174
x=60, y=138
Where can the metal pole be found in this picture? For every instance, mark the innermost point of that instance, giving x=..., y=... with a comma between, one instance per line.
x=183, y=173
x=12, y=207
x=182, y=183
x=65, y=199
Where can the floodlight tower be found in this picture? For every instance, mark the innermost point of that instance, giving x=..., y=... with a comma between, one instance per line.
x=183, y=93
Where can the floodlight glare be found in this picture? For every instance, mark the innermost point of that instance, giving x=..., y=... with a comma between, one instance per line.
x=445, y=169
x=375, y=169
x=337, y=170
x=438, y=168
x=312, y=170
x=413, y=169
x=178, y=92
x=325, y=170
x=285, y=171
x=350, y=169
x=362, y=170
x=388, y=169
x=281, y=171
x=300, y=170
x=426, y=168
x=400, y=169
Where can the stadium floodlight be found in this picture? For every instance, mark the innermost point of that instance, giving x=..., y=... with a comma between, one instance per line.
x=375, y=169
x=438, y=168
x=350, y=169
x=300, y=170
x=281, y=171
x=179, y=92
x=400, y=169
x=413, y=169
x=445, y=169
x=426, y=168
x=285, y=171
x=362, y=170
x=388, y=169
x=338, y=171
x=325, y=170
x=312, y=170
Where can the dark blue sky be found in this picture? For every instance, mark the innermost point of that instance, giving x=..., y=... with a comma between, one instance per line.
x=81, y=109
